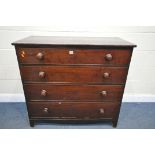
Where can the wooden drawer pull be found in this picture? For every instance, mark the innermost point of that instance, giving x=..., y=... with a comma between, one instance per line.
x=101, y=111
x=43, y=93
x=40, y=56
x=22, y=54
x=108, y=57
x=45, y=110
x=41, y=74
x=104, y=93
x=106, y=75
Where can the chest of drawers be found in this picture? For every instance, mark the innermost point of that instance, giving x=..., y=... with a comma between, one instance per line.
x=77, y=79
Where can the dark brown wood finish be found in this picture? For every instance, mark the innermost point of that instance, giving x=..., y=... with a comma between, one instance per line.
x=73, y=92
x=73, y=78
x=70, y=56
x=74, y=74
x=73, y=41
x=73, y=110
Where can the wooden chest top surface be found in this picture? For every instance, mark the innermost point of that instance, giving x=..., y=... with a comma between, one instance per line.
x=71, y=41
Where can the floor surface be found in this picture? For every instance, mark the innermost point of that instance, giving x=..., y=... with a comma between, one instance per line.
x=132, y=116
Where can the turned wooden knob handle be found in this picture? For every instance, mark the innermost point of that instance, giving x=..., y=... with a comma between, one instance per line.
x=104, y=93
x=41, y=74
x=45, y=110
x=43, y=93
x=108, y=57
x=106, y=75
x=40, y=56
x=101, y=110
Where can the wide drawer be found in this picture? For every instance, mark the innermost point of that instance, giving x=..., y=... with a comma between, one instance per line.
x=84, y=110
x=120, y=57
x=105, y=75
x=73, y=92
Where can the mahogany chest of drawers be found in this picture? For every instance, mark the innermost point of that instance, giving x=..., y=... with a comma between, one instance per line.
x=73, y=78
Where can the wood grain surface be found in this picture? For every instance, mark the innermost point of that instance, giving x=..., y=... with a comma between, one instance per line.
x=73, y=74
x=73, y=110
x=64, y=56
x=73, y=92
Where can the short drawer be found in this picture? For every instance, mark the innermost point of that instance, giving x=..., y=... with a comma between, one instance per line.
x=119, y=57
x=105, y=75
x=46, y=92
x=83, y=110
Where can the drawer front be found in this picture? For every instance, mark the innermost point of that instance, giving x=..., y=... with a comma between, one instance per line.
x=105, y=75
x=74, y=56
x=36, y=92
x=83, y=110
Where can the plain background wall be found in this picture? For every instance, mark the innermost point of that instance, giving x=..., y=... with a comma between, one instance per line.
x=141, y=77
